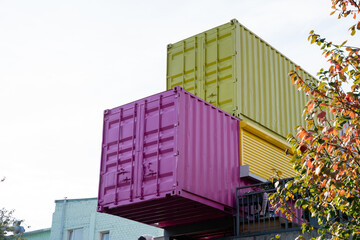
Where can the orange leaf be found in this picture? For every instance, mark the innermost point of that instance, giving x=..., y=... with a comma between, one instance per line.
x=323, y=183
x=297, y=68
x=309, y=137
x=353, y=115
x=342, y=192
x=293, y=78
x=311, y=107
x=302, y=134
x=335, y=167
x=332, y=130
x=309, y=164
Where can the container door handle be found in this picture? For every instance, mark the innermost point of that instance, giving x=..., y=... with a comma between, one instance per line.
x=118, y=156
x=158, y=149
x=133, y=154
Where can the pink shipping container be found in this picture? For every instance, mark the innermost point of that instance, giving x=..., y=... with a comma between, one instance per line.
x=169, y=159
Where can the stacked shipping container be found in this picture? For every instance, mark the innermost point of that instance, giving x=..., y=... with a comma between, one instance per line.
x=235, y=70
x=232, y=68
x=169, y=158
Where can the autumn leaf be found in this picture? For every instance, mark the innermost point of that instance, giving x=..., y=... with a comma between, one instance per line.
x=342, y=192
x=302, y=134
x=321, y=114
x=293, y=78
x=309, y=164
x=323, y=184
x=311, y=106
x=330, y=148
x=332, y=131
x=303, y=148
x=335, y=167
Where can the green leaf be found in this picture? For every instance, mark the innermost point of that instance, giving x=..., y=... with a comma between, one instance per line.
x=322, y=85
x=288, y=185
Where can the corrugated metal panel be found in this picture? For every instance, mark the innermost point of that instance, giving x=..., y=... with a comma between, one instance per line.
x=208, y=146
x=263, y=157
x=168, y=159
x=233, y=69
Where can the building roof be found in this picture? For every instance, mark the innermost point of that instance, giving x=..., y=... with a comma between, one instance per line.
x=38, y=231
x=75, y=200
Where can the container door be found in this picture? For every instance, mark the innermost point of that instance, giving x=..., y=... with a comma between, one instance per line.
x=139, y=142
x=155, y=155
x=118, y=155
x=205, y=66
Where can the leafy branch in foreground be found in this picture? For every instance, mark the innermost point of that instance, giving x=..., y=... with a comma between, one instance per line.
x=8, y=224
x=327, y=148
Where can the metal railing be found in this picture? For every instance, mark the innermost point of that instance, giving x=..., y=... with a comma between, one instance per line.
x=256, y=216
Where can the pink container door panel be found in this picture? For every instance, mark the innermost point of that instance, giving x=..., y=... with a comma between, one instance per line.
x=117, y=172
x=138, y=150
x=156, y=146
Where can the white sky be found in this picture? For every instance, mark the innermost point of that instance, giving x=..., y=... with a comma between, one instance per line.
x=63, y=62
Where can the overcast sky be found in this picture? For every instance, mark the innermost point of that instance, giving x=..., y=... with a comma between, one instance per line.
x=63, y=62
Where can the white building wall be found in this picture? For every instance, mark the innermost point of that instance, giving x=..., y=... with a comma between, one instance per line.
x=81, y=213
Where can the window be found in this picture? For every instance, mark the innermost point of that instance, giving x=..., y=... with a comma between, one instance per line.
x=75, y=234
x=104, y=236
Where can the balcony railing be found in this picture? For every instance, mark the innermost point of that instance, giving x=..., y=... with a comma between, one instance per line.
x=256, y=216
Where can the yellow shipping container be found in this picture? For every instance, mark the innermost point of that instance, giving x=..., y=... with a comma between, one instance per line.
x=235, y=70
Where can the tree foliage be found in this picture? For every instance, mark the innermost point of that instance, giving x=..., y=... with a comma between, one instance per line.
x=327, y=148
x=7, y=222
